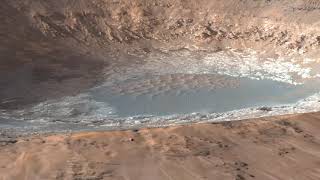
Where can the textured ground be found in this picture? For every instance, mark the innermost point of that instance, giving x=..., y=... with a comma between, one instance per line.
x=53, y=49
x=59, y=48
x=289, y=25
x=284, y=147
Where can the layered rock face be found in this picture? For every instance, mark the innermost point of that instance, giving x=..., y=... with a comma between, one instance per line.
x=205, y=24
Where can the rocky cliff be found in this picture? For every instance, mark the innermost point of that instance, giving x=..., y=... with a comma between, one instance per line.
x=172, y=24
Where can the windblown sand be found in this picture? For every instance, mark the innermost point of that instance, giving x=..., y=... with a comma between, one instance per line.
x=54, y=49
x=285, y=147
x=156, y=85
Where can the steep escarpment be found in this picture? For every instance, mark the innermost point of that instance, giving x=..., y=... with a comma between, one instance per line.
x=288, y=26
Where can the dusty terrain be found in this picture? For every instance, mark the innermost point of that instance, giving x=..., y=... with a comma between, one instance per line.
x=60, y=48
x=284, y=147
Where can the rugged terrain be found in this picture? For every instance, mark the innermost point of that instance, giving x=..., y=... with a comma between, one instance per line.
x=171, y=24
x=63, y=47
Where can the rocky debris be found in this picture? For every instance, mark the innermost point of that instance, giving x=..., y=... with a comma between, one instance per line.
x=208, y=24
x=265, y=109
x=8, y=137
x=240, y=177
x=7, y=141
x=294, y=126
x=242, y=170
x=286, y=150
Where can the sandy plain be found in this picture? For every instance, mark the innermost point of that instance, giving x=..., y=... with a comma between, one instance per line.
x=285, y=147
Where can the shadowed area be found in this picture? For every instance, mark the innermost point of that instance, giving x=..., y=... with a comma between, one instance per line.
x=36, y=68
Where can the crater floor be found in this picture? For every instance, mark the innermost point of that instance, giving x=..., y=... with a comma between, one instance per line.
x=178, y=88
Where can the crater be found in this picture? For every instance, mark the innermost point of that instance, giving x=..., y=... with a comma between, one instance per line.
x=91, y=65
